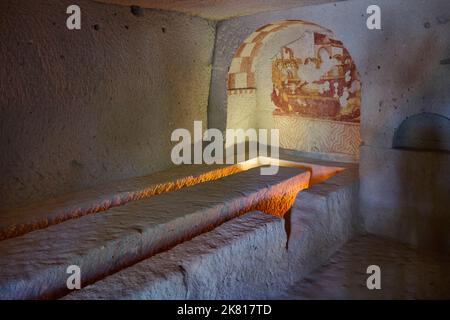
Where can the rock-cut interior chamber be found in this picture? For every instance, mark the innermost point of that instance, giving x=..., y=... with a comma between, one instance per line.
x=88, y=179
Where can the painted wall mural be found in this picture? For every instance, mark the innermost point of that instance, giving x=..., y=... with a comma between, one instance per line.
x=315, y=77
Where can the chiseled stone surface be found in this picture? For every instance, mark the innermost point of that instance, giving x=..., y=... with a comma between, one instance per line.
x=39, y=215
x=406, y=273
x=88, y=107
x=74, y=205
x=398, y=188
x=34, y=265
x=242, y=259
x=322, y=219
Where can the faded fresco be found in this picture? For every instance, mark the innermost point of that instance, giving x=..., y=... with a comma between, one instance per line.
x=295, y=76
x=315, y=77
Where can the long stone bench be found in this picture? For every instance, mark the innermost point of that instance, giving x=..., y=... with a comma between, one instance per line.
x=34, y=265
x=244, y=258
x=248, y=257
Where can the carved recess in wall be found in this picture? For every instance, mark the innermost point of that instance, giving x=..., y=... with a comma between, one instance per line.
x=297, y=77
x=315, y=77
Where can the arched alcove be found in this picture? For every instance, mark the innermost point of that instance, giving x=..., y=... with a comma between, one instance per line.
x=297, y=77
x=423, y=131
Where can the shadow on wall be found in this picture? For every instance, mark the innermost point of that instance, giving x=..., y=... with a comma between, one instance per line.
x=424, y=132
x=423, y=179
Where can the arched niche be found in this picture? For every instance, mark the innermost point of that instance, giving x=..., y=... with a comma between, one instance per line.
x=297, y=77
x=423, y=132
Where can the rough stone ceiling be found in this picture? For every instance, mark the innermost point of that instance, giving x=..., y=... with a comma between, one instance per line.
x=219, y=9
